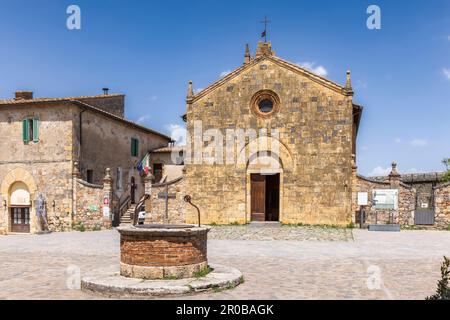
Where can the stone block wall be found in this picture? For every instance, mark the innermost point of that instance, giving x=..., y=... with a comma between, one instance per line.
x=156, y=206
x=406, y=202
x=89, y=207
x=442, y=205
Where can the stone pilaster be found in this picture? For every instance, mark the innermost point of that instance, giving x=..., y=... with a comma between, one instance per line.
x=107, y=199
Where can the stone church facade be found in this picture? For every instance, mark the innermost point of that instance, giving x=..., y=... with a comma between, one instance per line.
x=301, y=174
x=59, y=149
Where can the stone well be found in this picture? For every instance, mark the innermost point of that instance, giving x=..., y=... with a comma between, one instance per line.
x=162, y=251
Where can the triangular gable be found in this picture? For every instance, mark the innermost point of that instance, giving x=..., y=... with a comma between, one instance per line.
x=278, y=61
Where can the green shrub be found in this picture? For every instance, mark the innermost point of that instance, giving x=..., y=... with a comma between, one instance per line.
x=443, y=290
x=80, y=227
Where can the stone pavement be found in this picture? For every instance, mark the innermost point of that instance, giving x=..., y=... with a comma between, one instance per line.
x=407, y=265
x=279, y=232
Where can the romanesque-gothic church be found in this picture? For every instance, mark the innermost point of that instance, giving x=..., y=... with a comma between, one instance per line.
x=303, y=174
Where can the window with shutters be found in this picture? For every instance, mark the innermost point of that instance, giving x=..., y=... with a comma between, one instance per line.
x=134, y=147
x=30, y=130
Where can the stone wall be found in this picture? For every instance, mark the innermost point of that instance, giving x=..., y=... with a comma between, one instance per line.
x=156, y=207
x=89, y=207
x=406, y=202
x=315, y=125
x=442, y=205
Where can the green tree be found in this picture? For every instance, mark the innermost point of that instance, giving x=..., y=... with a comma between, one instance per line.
x=446, y=163
x=443, y=290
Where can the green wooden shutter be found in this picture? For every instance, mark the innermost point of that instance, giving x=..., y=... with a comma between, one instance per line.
x=25, y=131
x=134, y=147
x=35, y=130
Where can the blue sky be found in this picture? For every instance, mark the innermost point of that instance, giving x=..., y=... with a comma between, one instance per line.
x=150, y=49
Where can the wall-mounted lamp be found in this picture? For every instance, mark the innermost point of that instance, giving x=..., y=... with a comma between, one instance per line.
x=4, y=204
x=54, y=204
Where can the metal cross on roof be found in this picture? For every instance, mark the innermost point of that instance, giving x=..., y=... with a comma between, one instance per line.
x=264, y=34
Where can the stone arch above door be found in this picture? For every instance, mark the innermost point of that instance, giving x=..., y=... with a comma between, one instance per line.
x=266, y=147
x=18, y=175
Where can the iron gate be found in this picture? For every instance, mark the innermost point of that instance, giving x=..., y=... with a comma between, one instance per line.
x=424, y=217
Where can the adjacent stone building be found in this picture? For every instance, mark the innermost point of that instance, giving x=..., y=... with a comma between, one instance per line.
x=298, y=166
x=54, y=160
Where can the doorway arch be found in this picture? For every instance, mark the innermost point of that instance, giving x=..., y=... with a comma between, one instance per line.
x=264, y=175
x=18, y=190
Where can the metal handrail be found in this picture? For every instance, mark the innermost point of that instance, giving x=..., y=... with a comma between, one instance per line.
x=125, y=204
x=138, y=207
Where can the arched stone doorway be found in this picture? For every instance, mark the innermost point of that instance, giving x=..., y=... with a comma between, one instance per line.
x=19, y=208
x=265, y=161
x=264, y=187
x=18, y=190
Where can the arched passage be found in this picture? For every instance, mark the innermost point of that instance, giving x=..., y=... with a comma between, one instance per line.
x=18, y=189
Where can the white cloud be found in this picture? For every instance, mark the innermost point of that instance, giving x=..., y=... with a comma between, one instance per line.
x=153, y=98
x=398, y=140
x=364, y=148
x=448, y=38
x=418, y=143
x=177, y=133
x=380, y=171
x=225, y=73
x=143, y=119
x=446, y=73
x=319, y=70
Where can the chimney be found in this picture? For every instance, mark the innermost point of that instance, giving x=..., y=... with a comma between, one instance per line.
x=24, y=95
x=105, y=91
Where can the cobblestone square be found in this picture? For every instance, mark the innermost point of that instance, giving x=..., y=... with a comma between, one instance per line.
x=277, y=263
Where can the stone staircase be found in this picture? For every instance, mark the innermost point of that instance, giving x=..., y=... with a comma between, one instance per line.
x=125, y=220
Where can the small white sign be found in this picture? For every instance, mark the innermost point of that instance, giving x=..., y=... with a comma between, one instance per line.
x=106, y=212
x=363, y=198
x=424, y=205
